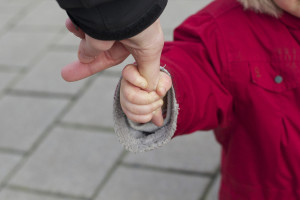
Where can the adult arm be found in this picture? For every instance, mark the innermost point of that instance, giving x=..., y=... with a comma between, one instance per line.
x=113, y=19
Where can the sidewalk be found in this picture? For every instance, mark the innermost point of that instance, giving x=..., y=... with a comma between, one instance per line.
x=56, y=138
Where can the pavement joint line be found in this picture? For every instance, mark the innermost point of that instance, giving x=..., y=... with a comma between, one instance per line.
x=79, y=126
x=36, y=28
x=39, y=94
x=15, y=19
x=45, y=193
x=210, y=184
x=10, y=69
x=44, y=135
x=32, y=63
x=109, y=174
x=168, y=170
x=4, y=150
x=3, y=92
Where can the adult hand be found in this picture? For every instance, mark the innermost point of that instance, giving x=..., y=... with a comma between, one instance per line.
x=97, y=55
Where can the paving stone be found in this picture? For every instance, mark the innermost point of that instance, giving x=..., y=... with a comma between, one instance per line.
x=13, y=5
x=19, y=48
x=23, y=119
x=5, y=78
x=50, y=13
x=95, y=106
x=5, y=18
x=137, y=184
x=7, y=163
x=214, y=191
x=70, y=161
x=46, y=76
x=196, y=152
x=9, y=194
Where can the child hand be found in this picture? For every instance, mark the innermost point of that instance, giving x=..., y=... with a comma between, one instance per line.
x=139, y=105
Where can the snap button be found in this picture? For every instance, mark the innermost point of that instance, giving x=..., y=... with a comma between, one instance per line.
x=278, y=79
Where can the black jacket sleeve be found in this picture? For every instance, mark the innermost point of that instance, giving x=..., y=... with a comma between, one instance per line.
x=113, y=19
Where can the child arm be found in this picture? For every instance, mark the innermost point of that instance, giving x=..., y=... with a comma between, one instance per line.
x=197, y=62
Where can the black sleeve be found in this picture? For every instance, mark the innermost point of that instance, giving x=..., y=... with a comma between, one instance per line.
x=113, y=19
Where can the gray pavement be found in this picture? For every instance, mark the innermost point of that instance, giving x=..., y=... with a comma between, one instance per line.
x=56, y=138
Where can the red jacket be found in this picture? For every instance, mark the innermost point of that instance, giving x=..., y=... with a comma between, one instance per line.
x=238, y=72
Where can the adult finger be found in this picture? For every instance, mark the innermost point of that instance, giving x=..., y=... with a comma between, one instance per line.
x=77, y=70
x=135, y=95
x=132, y=75
x=90, y=48
x=146, y=48
x=74, y=29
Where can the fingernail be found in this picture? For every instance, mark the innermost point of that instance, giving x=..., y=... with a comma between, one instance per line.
x=154, y=96
x=143, y=84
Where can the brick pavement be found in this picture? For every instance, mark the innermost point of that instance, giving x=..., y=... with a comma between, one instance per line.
x=56, y=138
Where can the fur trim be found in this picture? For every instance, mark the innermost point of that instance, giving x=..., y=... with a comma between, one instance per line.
x=262, y=6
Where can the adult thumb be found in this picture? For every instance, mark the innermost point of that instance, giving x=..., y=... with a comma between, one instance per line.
x=90, y=48
x=150, y=71
x=146, y=48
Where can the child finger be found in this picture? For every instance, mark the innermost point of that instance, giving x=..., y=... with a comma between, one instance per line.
x=138, y=118
x=142, y=109
x=164, y=84
x=158, y=119
x=132, y=75
x=135, y=95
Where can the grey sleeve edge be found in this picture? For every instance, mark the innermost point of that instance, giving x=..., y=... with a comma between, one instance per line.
x=145, y=137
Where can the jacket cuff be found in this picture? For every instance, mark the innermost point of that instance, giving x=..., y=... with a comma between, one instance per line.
x=117, y=20
x=145, y=137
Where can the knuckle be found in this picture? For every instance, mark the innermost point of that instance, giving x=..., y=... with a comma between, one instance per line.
x=106, y=45
x=127, y=71
x=99, y=44
x=148, y=99
x=148, y=109
x=154, y=106
x=130, y=96
x=134, y=109
x=91, y=43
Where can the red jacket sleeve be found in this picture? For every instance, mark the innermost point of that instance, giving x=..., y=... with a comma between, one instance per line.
x=196, y=62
